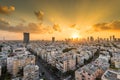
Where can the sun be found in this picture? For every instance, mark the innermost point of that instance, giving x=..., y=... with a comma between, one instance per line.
x=75, y=35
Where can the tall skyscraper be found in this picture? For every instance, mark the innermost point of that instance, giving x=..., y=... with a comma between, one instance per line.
x=53, y=39
x=26, y=37
x=113, y=37
x=91, y=38
x=88, y=39
x=110, y=38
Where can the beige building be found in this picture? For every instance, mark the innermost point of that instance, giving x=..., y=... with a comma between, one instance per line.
x=66, y=63
x=14, y=64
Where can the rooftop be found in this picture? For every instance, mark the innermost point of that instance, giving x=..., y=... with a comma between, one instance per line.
x=111, y=75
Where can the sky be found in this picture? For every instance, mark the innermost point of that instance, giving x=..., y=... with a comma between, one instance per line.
x=62, y=19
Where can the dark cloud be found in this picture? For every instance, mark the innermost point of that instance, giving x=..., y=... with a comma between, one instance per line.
x=20, y=28
x=73, y=26
x=39, y=14
x=6, y=9
x=56, y=27
x=31, y=27
x=114, y=25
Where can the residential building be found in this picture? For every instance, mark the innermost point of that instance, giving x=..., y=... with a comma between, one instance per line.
x=31, y=72
x=111, y=75
x=14, y=64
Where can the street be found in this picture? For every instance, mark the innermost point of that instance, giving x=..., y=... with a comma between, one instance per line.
x=47, y=74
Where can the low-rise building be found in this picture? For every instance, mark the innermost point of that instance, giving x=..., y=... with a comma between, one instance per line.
x=89, y=72
x=116, y=60
x=111, y=75
x=66, y=62
x=93, y=70
x=14, y=64
x=3, y=60
x=31, y=72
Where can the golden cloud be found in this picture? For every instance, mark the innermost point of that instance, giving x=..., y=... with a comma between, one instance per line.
x=6, y=9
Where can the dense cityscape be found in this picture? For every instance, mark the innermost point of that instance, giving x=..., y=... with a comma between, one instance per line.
x=60, y=60
x=59, y=39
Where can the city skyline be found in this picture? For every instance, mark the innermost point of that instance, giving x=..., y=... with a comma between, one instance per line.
x=61, y=19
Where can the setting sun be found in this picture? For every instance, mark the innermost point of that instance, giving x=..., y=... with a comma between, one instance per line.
x=44, y=20
x=75, y=35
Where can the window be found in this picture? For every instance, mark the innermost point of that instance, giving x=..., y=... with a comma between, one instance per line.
x=83, y=76
x=88, y=74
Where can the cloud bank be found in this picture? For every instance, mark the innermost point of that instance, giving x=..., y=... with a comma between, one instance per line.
x=31, y=27
x=114, y=26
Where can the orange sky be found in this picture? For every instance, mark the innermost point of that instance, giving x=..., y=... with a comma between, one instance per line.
x=59, y=18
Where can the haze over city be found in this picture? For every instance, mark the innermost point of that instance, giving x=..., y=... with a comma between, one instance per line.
x=59, y=39
x=59, y=18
